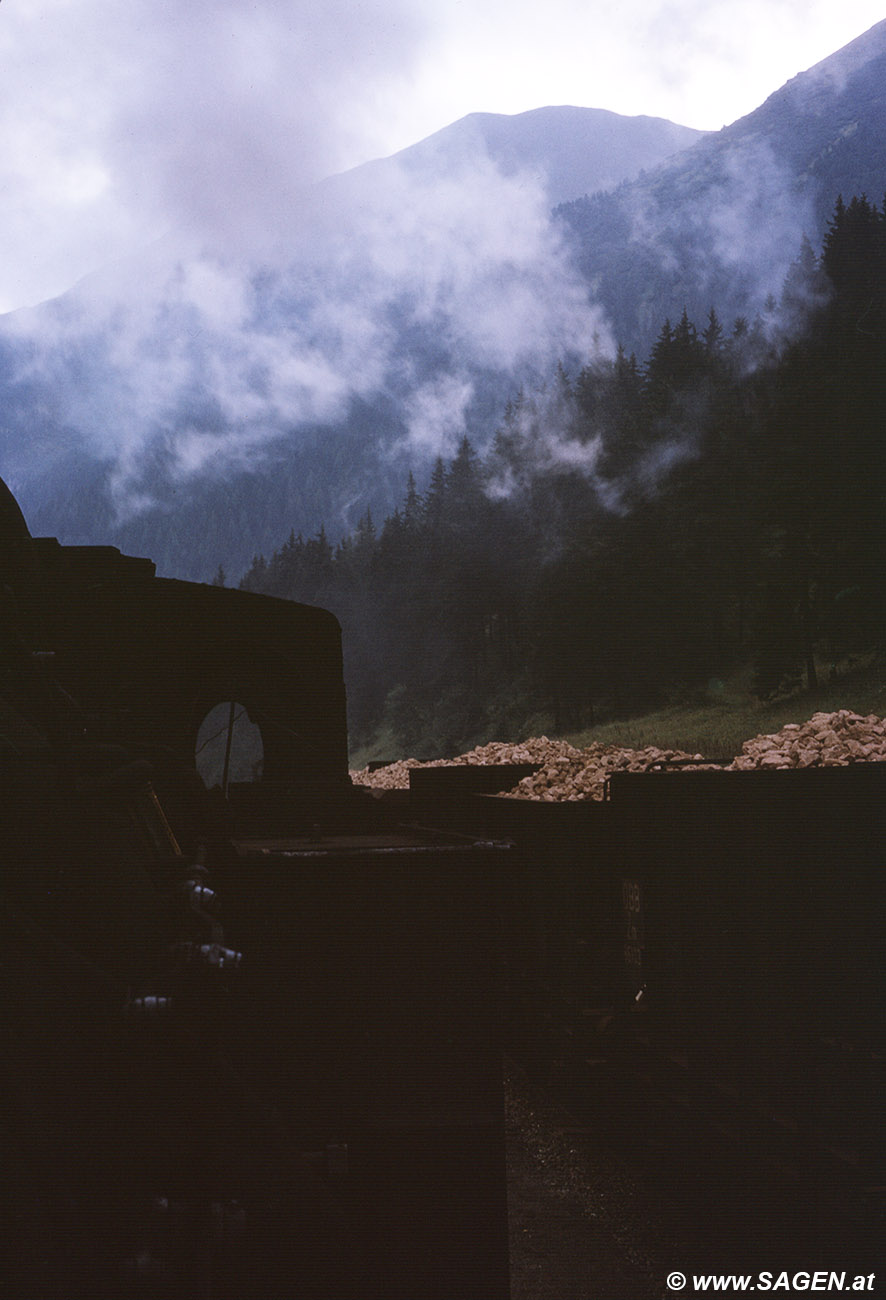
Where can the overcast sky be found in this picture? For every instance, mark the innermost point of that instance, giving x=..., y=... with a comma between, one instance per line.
x=121, y=119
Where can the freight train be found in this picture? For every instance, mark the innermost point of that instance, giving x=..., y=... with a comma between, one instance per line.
x=255, y=1015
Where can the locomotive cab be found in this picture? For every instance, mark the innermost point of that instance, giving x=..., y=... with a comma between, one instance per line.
x=245, y=690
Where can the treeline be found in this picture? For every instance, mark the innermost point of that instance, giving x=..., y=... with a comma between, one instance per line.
x=632, y=529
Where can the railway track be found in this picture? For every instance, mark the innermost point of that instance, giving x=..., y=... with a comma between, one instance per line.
x=735, y=1182
x=699, y=1185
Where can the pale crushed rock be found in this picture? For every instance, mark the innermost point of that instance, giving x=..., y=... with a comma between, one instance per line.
x=395, y=776
x=583, y=774
x=826, y=740
x=565, y=773
x=569, y=774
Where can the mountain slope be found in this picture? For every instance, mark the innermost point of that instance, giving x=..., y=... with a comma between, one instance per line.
x=197, y=407
x=720, y=223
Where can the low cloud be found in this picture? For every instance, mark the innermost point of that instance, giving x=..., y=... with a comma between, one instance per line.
x=124, y=121
x=191, y=360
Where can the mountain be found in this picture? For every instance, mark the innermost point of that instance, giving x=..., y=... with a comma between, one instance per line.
x=196, y=406
x=720, y=224
x=199, y=403
x=570, y=151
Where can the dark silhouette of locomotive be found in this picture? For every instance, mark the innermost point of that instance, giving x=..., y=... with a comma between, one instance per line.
x=249, y=1021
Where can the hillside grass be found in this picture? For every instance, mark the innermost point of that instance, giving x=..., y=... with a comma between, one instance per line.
x=383, y=747
x=715, y=724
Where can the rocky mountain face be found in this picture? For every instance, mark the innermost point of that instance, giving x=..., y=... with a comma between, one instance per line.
x=199, y=403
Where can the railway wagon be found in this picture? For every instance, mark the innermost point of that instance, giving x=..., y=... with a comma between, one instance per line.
x=695, y=973
x=705, y=948
x=752, y=914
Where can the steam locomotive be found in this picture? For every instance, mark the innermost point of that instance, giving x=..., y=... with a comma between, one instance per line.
x=250, y=1020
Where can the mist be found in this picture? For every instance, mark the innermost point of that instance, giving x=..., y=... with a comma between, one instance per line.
x=254, y=321
x=206, y=356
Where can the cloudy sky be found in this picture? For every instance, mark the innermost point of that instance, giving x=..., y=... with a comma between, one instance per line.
x=120, y=121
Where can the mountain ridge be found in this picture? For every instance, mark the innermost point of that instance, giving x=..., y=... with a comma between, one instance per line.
x=573, y=149
x=235, y=409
